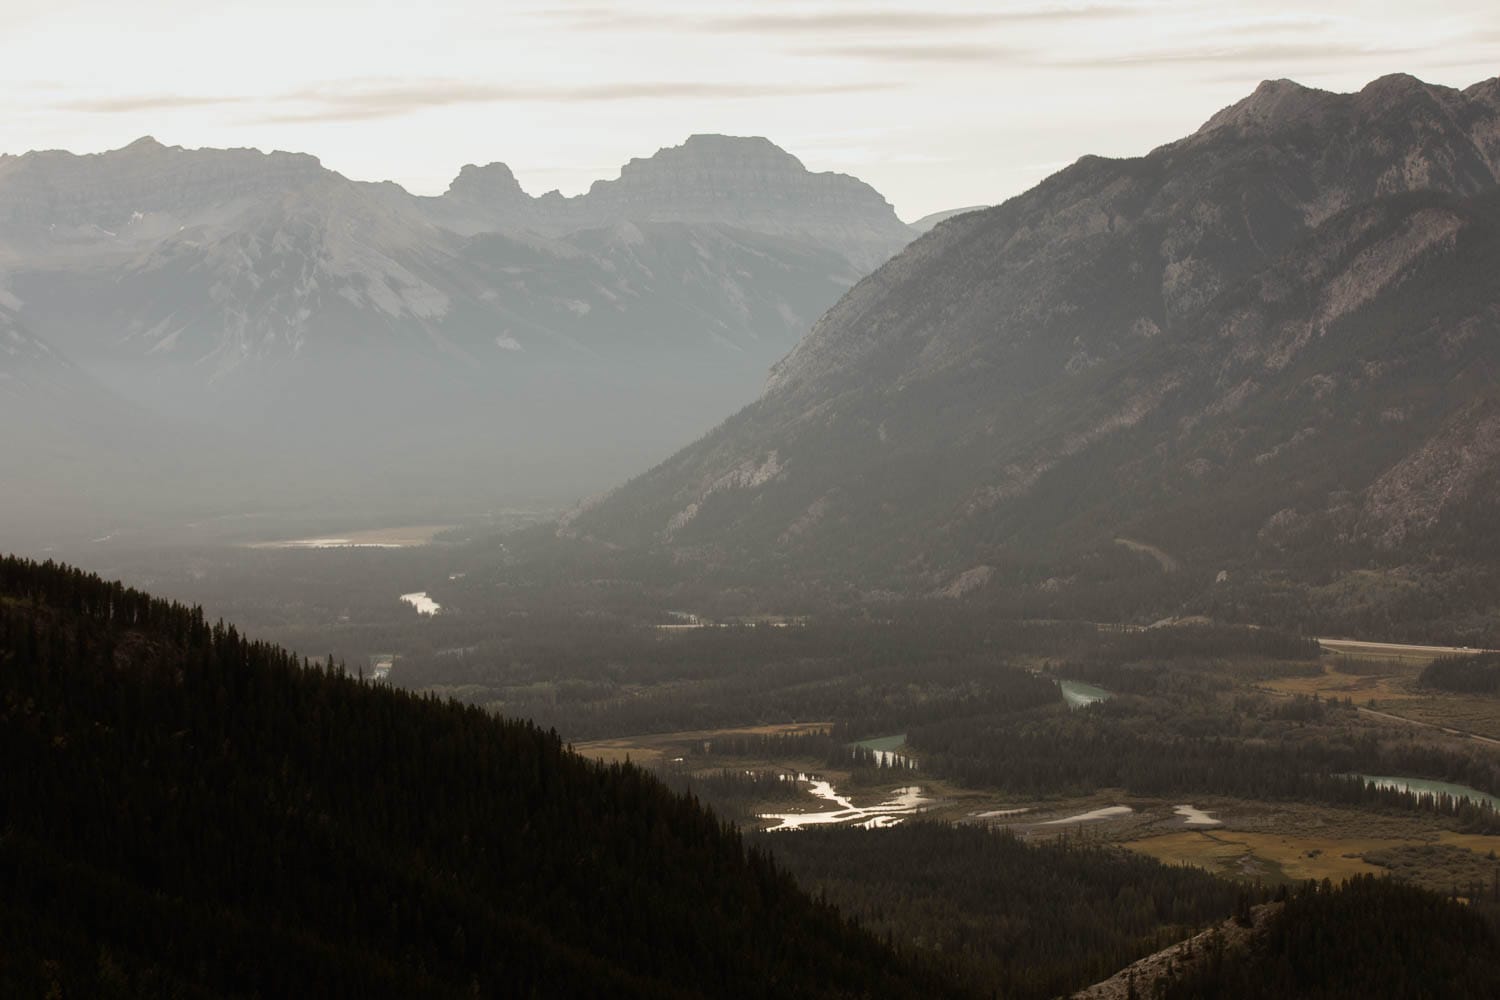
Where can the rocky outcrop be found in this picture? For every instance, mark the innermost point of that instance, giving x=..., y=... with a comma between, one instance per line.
x=752, y=183
x=745, y=183
x=1139, y=979
x=136, y=194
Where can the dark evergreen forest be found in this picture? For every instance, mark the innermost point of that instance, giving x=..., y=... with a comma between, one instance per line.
x=188, y=813
x=1037, y=920
x=1366, y=938
x=1478, y=674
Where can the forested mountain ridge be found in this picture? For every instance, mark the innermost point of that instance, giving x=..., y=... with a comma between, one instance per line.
x=185, y=812
x=1263, y=346
x=1366, y=938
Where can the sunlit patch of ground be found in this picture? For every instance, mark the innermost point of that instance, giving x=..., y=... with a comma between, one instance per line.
x=1362, y=680
x=657, y=748
x=1271, y=842
x=1478, y=714
x=1273, y=857
x=1267, y=857
x=405, y=537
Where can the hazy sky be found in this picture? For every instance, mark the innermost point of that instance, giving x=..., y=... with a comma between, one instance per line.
x=938, y=104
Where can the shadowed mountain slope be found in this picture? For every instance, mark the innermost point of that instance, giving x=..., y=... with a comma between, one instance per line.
x=1279, y=332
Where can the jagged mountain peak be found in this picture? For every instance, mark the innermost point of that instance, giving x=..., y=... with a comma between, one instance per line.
x=1399, y=85
x=145, y=144
x=1283, y=105
x=706, y=150
x=54, y=200
x=724, y=168
x=1272, y=104
x=490, y=182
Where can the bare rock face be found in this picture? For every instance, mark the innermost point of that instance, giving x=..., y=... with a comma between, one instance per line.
x=137, y=193
x=751, y=182
x=1460, y=461
x=493, y=183
x=1284, y=315
x=745, y=183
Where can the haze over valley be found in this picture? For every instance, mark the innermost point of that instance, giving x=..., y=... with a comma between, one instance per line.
x=258, y=315
x=705, y=580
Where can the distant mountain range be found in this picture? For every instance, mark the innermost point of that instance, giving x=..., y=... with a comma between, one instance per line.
x=221, y=259
x=926, y=222
x=1271, y=347
x=539, y=345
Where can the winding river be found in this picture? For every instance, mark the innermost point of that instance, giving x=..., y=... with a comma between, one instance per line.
x=904, y=802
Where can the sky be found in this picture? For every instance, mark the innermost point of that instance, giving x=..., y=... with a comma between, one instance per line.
x=938, y=104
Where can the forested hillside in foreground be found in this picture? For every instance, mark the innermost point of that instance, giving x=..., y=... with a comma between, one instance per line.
x=1367, y=938
x=1022, y=921
x=187, y=813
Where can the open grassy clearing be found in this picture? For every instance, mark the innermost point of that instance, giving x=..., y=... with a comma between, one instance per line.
x=1362, y=679
x=1265, y=857
x=1410, y=849
x=1271, y=842
x=402, y=537
x=653, y=749
x=1470, y=713
x=1388, y=682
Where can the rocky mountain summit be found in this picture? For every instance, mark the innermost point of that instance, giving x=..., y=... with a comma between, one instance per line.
x=746, y=183
x=1268, y=344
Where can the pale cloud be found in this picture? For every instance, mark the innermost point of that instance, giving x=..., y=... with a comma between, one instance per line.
x=352, y=101
x=937, y=103
x=134, y=104
x=954, y=52
x=1266, y=54
x=923, y=20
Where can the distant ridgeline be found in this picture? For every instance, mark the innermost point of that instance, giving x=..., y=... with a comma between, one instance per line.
x=184, y=812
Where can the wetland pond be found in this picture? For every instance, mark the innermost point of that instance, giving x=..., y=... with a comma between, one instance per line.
x=1422, y=786
x=424, y=604
x=887, y=750
x=1080, y=695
